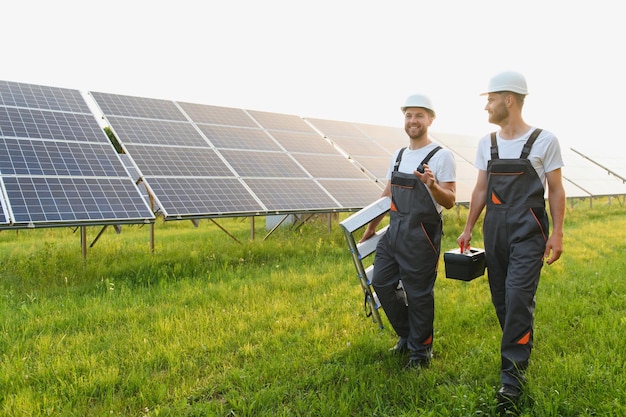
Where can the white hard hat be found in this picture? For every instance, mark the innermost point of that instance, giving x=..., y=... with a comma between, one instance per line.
x=418, y=100
x=507, y=81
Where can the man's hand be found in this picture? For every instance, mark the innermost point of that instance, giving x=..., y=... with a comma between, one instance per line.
x=554, y=245
x=428, y=178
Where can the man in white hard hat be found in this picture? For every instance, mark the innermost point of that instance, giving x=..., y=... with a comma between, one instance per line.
x=421, y=179
x=515, y=164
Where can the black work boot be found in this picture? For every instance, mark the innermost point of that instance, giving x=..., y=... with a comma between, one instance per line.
x=508, y=399
x=401, y=347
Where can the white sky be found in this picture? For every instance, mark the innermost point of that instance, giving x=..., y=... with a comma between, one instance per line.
x=350, y=60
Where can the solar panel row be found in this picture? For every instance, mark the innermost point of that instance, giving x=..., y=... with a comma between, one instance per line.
x=57, y=166
x=246, y=162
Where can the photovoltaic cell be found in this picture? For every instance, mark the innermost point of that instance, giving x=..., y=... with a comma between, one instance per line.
x=57, y=166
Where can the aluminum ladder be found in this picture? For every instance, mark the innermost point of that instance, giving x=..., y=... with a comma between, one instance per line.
x=360, y=251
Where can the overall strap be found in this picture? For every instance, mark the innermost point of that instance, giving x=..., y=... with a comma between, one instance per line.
x=529, y=144
x=494, y=146
x=398, y=159
x=420, y=168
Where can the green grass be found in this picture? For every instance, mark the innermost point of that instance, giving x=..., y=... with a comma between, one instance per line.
x=206, y=326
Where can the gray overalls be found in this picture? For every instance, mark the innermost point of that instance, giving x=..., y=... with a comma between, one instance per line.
x=409, y=251
x=515, y=232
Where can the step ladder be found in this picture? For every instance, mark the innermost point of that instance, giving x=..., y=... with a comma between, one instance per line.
x=360, y=251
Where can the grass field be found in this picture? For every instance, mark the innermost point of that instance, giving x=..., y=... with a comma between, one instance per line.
x=206, y=326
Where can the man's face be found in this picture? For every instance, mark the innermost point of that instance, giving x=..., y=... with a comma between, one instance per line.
x=496, y=108
x=416, y=121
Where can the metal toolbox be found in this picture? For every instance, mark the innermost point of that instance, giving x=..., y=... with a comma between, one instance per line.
x=464, y=266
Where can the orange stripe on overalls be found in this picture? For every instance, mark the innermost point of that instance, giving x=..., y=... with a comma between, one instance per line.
x=524, y=340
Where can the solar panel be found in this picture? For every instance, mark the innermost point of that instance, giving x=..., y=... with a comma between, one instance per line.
x=589, y=177
x=189, y=197
x=57, y=166
x=138, y=107
x=609, y=158
x=352, y=192
x=295, y=194
x=246, y=161
x=178, y=161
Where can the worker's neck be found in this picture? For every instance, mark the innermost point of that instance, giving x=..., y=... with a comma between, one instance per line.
x=419, y=142
x=513, y=129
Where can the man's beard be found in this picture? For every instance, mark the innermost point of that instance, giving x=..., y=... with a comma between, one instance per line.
x=498, y=115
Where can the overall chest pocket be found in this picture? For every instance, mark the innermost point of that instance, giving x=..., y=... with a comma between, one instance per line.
x=508, y=181
x=402, y=193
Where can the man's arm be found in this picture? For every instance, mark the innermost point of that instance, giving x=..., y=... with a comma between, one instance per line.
x=556, y=199
x=477, y=204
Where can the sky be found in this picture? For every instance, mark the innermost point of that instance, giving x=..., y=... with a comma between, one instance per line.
x=343, y=60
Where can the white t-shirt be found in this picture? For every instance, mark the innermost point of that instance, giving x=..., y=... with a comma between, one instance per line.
x=442, y=164
x=545, y=155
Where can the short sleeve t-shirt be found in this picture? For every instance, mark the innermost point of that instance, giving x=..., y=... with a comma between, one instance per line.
x=442, y=164
x=545, y=155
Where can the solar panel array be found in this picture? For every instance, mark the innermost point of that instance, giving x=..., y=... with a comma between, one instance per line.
x=187, y=160
x=57, y=166
x=201, y=160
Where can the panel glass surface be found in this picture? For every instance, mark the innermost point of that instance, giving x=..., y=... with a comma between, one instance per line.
x=229, y=137
x=328, y=166
x=291, y=194
x=611, y=158
x=177, y=161
x=55, y=158
x=38, y=124
x=14, y=94
x=303, y=142
x=389, y=138
x=225, y=116
x=332, y=128
x=139, y=107
x=156, y=132
x=278, y=121
x=353, y=194
x=255, y=164
x=203, y=196
x=356, y=147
